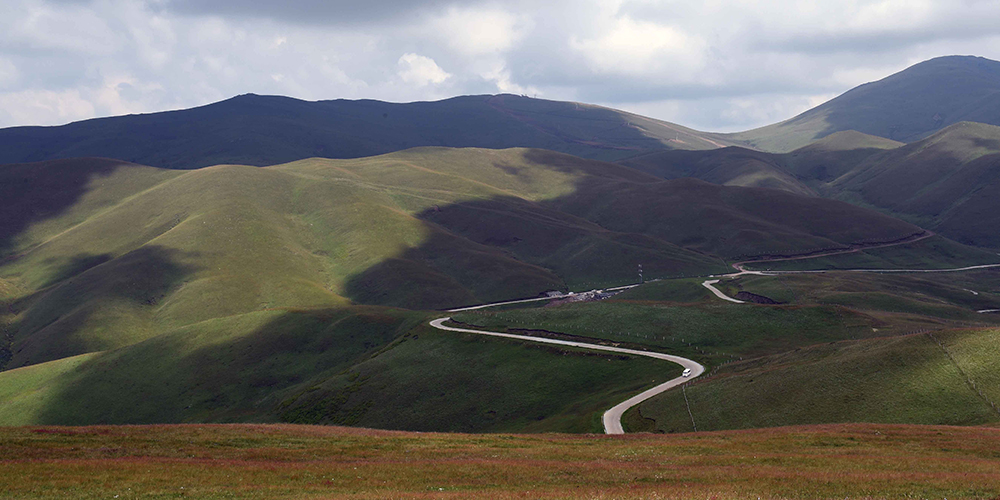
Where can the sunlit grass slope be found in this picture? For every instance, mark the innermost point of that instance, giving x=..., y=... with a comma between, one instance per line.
x=425, y=228
x=237, y=293
x=839, y=349
x=943, y=377
x=908, y=379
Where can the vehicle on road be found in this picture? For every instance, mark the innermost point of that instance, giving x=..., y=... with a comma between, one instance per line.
x=686, y=372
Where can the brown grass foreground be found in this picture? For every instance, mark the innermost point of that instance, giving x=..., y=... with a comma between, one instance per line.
x=286, y=461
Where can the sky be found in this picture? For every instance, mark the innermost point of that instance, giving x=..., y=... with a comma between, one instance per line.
x=711, y=65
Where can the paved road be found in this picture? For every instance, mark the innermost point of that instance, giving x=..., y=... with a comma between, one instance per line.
x=952, y=270
x=926, y=234
x=537, y=299
x=718, y=293
x=612, y=418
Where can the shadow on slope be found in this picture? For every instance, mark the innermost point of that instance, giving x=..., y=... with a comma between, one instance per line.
x=731, y=166
x=108, y=305
x=598, y=234
x=221, y=370
x=946, y=182
x=36, y=192
x=360, y=365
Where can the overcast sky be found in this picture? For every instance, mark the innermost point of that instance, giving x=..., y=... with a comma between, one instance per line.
x=711, y=65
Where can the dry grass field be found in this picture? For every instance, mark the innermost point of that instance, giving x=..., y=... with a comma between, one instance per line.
x=285, y=461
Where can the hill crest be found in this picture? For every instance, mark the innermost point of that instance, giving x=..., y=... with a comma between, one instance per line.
x=906, y=106
x=260, y=130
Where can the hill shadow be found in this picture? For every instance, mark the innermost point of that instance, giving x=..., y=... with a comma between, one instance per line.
x=599, y=234
x=238, y=376
x=508, y=247
x=498, y=248
x=55, y=322
x=35, y=192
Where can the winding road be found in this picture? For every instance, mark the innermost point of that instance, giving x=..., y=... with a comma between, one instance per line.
x=612, y=418
x=718, y=293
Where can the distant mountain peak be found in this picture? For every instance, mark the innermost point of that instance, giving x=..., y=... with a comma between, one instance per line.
x=906, y=106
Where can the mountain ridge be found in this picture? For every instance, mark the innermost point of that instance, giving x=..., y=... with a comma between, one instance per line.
x=905, y=106
x=266, y=130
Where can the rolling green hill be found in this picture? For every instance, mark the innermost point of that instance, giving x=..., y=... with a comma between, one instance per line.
x=266, y=130
x=732, y=166
x=945, y=182
x=906, y=106
x=913, y=379
x=805, y=171
x=136, y=249
x=243, y=293
x=839, y=347
x=832, y=156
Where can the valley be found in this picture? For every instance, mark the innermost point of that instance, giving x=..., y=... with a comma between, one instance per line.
x=493, y=280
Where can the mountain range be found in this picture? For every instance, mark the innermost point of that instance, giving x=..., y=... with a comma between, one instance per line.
x=242, y=259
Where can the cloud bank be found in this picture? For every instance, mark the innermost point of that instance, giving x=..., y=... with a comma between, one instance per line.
x=713, y=65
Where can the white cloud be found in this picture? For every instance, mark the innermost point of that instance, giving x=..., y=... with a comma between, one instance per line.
x=420, y=70
x=633, y=47
x=41, y=106
x=500, y=76
x=476, y=31
x=8, y=72
x=713, y=64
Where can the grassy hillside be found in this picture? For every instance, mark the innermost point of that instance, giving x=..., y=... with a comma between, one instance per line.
x=222, y=461
x=266, y=130
x=229, y=240
x=934, y=252
x=732, y=222
x=732, y=166
x=906, y=106
x=943, y=377
x=904, y=379
x=709, y=331
x=426, y=228
x=440, y=381
x=827, y=159
x=946, y=296
x=946, y=182
x=367, y=366
x=838, y=347
x=231, y=293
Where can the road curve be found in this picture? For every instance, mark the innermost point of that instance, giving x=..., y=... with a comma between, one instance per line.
x=718, y=293
x=612, y=418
